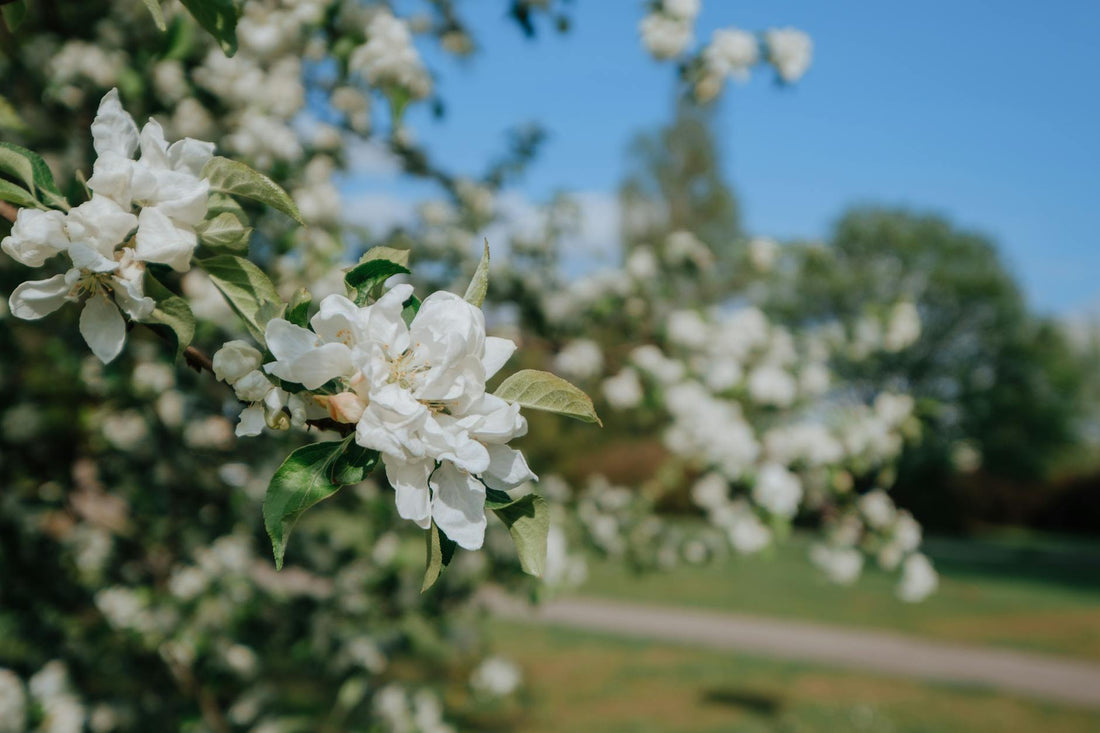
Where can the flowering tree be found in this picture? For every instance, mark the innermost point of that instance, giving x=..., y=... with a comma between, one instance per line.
x=134, y=502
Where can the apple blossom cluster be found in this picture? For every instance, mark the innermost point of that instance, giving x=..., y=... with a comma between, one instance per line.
x=667, y=32
x=388, y=58
x=107, y=245
x=415, y=393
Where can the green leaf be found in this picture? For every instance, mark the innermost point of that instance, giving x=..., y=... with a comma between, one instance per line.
x=528, y=521
x=400, y=256
x=366, y=280
x=9, y=118
x=220, y=203
x=247, y=289
x=304, y=479
x=475, y=293
x=224, y=231
x=14, y=13
x=157, y=13
x=219, y=18
x=354, y=464
x=237, y=179
x=545, y=391
x=298, y=310
x=412, y=307
x=172, y=319
x=17, y=195
x=28, y=168
x=441, y=549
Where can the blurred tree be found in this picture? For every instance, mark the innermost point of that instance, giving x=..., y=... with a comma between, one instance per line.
x=674, y=182
x=991, y=377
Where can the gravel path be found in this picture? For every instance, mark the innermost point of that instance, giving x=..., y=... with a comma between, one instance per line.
x=1033, y=675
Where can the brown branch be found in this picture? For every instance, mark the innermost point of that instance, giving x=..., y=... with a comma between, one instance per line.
x=198, y=360
x=8, y=211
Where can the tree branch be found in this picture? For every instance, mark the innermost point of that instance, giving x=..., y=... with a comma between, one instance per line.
x=8, y=211
x=198, y=360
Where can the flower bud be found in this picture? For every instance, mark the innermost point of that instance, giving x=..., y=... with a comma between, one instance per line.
x=345, y=407
x=252, y=387
x=236, y=359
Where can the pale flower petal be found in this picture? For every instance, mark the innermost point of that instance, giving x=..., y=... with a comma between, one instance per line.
x=100, y=223
x=159, y=240
x=103, y=327
x=190, y=155
x=497, y=353
x=234, y=360
x=410, y=482
x=35, y=237
x=252, y=421
x=507, y=468
x=113, y=129
x=288, y=341
x=458, y=506
x=37, y=298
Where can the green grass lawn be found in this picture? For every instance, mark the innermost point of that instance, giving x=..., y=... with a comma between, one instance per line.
x=582, y=682
x=1016, y=591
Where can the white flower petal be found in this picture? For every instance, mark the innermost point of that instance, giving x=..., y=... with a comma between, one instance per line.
x=130, y=295
x=112, y=177
x=252, y=421
x=180, y=196
x=390, y=423
x=252, y=387
x=103, y=327
x=497, y=353
x=339, y=320
x=507, y=468
x=385, y=325
x=38, y=298
x=113, y=129
x=154, y=148
x=159, y=240
x=498, y=420
x=91, y=260
x=458, y=506
x=315, y=367
x=288, y=341
x=100, y=223
x=234, y=360
x=410, y=482
x=189, y=155
x=35, y=237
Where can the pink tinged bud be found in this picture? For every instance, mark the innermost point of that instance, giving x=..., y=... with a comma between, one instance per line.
x=345, y=407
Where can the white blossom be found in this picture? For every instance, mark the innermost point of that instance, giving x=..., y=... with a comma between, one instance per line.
x=877, y=508
x=13, y=703
x=389, y=57
x=495, y=677
x=581, y=359
x=108, y=269
x=772, y=385
x=790, y=51
x=732, y=52
x=777, y=490
x=624, y=390
x=841, y=565
x=918, y=579
x=424, y=405
x=665, y=37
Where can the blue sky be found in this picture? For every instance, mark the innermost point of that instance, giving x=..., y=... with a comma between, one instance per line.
x=984, y=111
